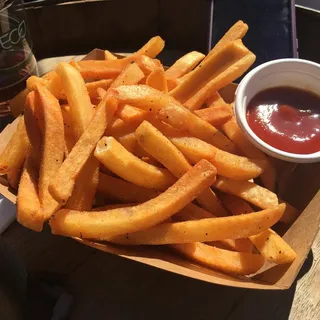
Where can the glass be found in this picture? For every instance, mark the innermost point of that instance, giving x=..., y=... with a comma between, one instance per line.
x=17, y=61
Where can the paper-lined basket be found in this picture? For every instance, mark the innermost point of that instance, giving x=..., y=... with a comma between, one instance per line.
x=297, y=184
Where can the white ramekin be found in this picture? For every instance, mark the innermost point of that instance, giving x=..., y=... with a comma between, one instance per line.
x=296, y=73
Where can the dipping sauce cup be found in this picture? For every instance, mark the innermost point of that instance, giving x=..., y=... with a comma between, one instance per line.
x=297, y=79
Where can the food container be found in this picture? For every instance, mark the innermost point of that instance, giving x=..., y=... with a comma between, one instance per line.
x=297, y=184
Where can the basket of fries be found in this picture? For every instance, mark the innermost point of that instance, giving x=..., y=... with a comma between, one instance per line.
x=147, y=162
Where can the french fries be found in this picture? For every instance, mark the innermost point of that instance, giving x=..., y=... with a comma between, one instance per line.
x=155, y=143
x=237, y=31
x=29, y=210
x=235, y=134
x=14, y=178
x=80, y=113
x=53, y=147
x=240, y=263
x=105, y=224
x=7, y=133
x=227, y=164
x=156, y=79
x=231, y=73
x=204, y=230
x=85, y=188
x=123, y=163
x=249, y=191
x=193, y=212
x=270, y=245
x=152, y=48
x=172, y=112
x=97, y=70
x=216, y=116
x=124, y=191
x=62, y=185
x=202, y=74
x=127, y=151
x=14, y=153
x=78, y=98
x=184, y=65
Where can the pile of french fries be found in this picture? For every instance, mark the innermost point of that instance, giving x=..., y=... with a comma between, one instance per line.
x=126, y=151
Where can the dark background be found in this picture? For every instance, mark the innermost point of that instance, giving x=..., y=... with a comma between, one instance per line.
x=124, y=25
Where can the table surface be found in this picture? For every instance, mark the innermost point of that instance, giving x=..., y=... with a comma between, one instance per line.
x=110, y=287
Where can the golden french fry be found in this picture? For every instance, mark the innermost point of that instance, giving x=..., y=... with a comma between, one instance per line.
x=82, y=196
x=105, y=224
x=193, y=212
x=227, y=164
x=29, y=211
x=129, y=167
x=172, y=112
x=63, y=184
x=237, y=31
x=209, y=69
x=173, y=83
x=128, y=141
x=156, y=79
x=98, y=69
x=53, y=147
x=231, y=73
x=118, y=128
x=13, y=178
x=241, y=263
x=52, y=82
x=131, y=114
x=14, y=153
x=93, y=86
x=78, y=98
x=131, y=74
x=235, y=204
x=7, y=133
x=160, y=147
x=216, y=116
x=124, y=191
x=69, y=134
x=204, y=230
x=147, y=65
x=152, y=48
x=235, y=134
x=17, y=103
x=34, y=122
x=208, y=200
x=102, y=69
x=249, y=191
x=184, y=65
x=215, y=100
x=271, y=246
x=56, y=87
x=85, y=188
x=109, y=56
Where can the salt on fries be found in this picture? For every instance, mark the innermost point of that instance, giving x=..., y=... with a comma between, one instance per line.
x=155, y=142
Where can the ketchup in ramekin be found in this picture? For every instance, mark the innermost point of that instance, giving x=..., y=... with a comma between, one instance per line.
x=286, y=118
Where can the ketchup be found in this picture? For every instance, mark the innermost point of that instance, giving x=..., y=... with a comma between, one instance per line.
x=286, y=118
